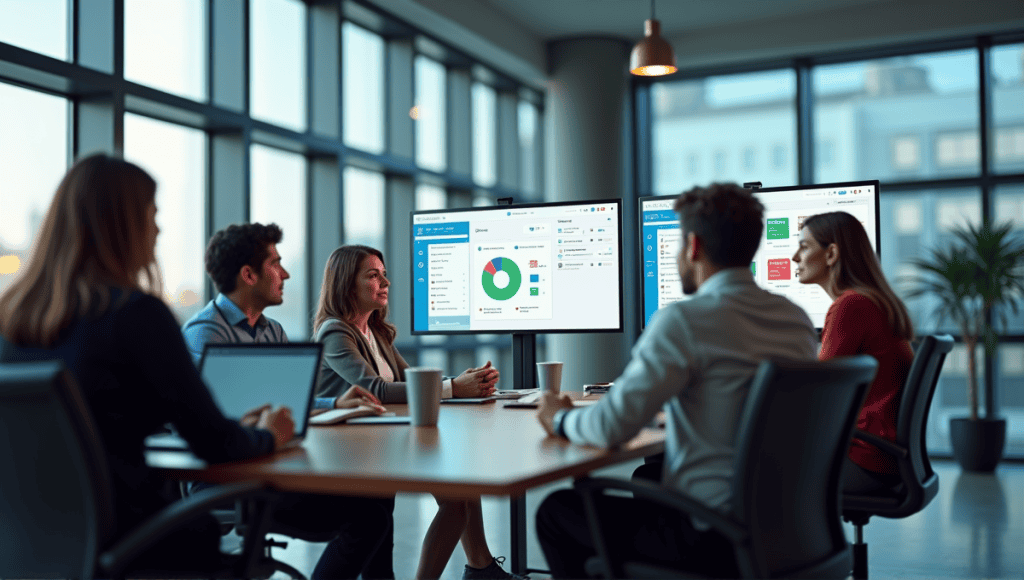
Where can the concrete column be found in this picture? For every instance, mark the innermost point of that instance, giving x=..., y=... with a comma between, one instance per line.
x=587, y=149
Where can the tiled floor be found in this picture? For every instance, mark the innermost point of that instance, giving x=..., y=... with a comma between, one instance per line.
x=973, y=529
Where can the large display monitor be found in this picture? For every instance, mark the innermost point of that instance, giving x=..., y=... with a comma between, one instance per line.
x=785, y=210
x=532, y=268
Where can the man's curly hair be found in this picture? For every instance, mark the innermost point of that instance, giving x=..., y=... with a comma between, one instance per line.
x=728, y=219
x=235, y=246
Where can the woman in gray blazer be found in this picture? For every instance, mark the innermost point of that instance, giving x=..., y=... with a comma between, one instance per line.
x=351, y=322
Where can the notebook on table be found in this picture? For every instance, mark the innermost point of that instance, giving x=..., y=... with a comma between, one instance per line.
x=242, y=377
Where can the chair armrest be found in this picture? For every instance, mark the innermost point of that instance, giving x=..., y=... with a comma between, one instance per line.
x=148, y=533
x=883, y=444
x=673, y=499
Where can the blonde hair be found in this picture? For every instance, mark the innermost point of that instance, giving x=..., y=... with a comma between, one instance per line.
x=92, y=238
x=338, y=291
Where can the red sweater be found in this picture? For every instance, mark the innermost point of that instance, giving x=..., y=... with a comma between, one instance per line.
x=855, y=325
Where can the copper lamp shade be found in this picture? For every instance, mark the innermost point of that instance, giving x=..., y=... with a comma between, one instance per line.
x=652, y=56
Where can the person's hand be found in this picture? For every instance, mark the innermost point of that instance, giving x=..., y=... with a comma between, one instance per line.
x=250, y=418
x=280, y=424
x=477, y=382
x=357, y=396
x=549, y=404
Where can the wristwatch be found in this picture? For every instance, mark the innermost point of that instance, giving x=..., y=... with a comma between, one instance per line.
x=558, y=422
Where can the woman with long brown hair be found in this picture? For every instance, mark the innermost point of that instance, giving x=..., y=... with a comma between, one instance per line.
x=351, y=321
x=89, y=297
x=866, y=317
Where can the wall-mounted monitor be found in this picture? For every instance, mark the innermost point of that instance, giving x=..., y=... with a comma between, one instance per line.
x=773, y=268
x=532, y=268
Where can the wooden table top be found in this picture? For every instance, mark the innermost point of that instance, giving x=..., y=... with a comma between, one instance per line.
x=474, y=450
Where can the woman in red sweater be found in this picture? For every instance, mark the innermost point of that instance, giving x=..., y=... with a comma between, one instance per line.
x=866, y=317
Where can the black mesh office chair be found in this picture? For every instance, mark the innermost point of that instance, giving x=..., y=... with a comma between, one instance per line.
x=919, y=483
x=57, y=513
x=784, y=515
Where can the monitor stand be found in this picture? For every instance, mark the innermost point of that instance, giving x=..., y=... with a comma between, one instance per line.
x=524, y=360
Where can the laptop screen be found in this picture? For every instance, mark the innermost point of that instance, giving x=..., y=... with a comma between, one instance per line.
x=245, y=376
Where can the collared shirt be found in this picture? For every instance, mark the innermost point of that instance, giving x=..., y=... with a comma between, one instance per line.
x=695, y=361
x=222, y=321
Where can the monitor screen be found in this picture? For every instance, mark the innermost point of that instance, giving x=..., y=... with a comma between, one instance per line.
x=553, y=267
x=773, y=268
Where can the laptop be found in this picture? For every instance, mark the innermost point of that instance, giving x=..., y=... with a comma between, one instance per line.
x=242, y=377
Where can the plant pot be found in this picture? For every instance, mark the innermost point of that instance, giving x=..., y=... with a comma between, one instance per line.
x=978, y=445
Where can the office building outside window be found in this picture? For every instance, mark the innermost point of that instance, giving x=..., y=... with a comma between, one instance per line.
x=724, y=114
x=1007, y=69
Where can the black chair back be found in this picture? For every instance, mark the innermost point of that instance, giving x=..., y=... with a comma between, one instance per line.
x=57, y=508
x=915, y=404
x=795, y=432
x=920, y=484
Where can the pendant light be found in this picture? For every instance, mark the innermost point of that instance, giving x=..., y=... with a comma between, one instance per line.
x=652, y=56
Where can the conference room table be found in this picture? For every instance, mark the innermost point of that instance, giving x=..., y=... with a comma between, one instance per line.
x=475, y=450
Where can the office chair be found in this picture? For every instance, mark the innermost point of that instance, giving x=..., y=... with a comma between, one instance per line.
x=783, y=519
x=58, y=510
x=919, y=484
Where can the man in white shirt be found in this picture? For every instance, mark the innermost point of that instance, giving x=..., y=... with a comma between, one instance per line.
x=695, y=361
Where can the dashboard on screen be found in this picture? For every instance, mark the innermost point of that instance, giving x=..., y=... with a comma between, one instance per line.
x=552, y=267
x=773, y=268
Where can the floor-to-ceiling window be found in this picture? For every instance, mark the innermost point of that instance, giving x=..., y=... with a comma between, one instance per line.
x=911, y=118
x=331, y=119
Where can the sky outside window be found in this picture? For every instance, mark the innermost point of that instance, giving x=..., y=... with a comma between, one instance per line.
x=165, y=45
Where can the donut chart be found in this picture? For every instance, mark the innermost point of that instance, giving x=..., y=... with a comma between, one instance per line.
x=515, y=278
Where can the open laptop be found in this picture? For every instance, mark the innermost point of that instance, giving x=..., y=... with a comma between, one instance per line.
x=242, y=377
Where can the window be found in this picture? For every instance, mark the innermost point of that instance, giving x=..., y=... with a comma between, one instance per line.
x=906, y=152
x=165, y=45
x=779, y=156
x=485, y=139
x=364, y=208
x=363, y=80
x=957, y=149
x=429, y=113
x=1009, y=146
x=868, y=107
x=723, y=114
x=37, y=25
x=31, y=166
x=279, y=196
x=749, y=154
x=176, y=158
x=430, y=197
x=528, y=143
x=719, y=164
x=911, y=225
x=277, y=63
x=1007, y=68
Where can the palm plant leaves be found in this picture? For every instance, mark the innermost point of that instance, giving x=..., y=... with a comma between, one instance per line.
x=977, y=282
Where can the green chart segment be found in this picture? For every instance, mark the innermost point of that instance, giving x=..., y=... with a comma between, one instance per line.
x=515, y=278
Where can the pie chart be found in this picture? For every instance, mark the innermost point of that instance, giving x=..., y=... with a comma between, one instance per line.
x=515, y=278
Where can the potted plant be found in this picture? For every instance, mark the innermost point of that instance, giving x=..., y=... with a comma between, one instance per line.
x=978, y=281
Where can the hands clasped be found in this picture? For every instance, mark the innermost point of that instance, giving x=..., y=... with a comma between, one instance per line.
x=476, y=382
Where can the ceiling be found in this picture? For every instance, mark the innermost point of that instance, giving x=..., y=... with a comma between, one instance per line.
x=551, y=19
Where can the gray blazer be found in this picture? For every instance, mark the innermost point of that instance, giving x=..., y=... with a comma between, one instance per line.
x=348, y=361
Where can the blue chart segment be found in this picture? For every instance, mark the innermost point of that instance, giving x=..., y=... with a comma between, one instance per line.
x=515, y=278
